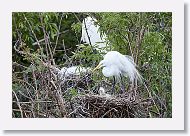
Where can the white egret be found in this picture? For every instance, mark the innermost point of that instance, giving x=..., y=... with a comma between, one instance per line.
x=91, y=34
x=73, y=70
x=117, y=65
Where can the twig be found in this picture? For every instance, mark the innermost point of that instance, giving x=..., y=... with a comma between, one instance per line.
x=64, y=48
x=32, y=31
x=129, y=43
x=42, y=40
x=45, y=36
x=77, y=18
x=36, y=89
x=150, y=95
x=108, y=112
x=139, y=41
x=33, y=102
x=58, y=33
x=88, y=36
x=18, y=103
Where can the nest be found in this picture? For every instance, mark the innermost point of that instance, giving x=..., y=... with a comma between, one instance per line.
x=120, y=106
x=53, y=98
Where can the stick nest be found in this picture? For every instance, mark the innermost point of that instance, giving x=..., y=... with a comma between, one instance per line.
x=47, y=96
x=97, y=106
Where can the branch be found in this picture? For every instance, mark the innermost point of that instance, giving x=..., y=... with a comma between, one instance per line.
x=42, y=40
x=32, y=31
x=18, y=103
x=58, y=33
x=139, y=41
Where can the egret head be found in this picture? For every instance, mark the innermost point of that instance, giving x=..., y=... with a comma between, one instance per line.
x=100, y=65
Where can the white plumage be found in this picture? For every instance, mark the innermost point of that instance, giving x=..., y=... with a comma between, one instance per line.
x=102, y=92
x=73, y=70
x=116, y=64
x=90, y=29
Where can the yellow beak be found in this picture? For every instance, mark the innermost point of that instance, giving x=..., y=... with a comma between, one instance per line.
x=97, y=67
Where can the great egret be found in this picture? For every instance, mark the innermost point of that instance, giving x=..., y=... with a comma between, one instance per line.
x=91, y=34
x=73, y=70
x=117, y=65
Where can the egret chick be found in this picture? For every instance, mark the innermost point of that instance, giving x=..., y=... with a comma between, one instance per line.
x=117, y=65
x=102, y=92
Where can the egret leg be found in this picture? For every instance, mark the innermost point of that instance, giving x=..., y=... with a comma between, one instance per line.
x=131, y=86
x=113, y=86
x=122, y=84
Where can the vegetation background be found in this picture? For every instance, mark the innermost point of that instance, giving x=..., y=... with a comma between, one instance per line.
x=40, y=39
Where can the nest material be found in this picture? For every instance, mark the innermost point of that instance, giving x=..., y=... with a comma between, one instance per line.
x=53, y=98
x=97, y=106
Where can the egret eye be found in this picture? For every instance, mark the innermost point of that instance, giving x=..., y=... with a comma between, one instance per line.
x=103, y=65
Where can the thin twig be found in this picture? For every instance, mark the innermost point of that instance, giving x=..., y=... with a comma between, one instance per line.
x=32, y=31
x=18, y=103
x=59, y=28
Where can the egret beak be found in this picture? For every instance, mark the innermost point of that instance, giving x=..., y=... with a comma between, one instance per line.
x=97, y=67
